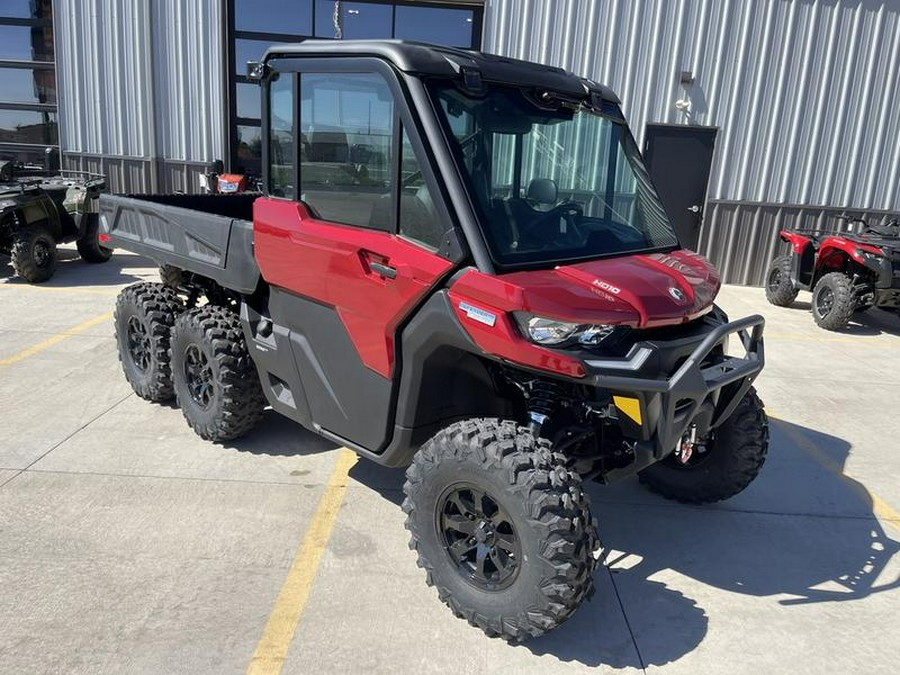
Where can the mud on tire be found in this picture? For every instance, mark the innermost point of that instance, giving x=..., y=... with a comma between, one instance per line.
x=216, y=383
x=545, y=512
x=832, y=302
x=144, y=316
x=733, y=460
x=779, y=289
x=33, y=253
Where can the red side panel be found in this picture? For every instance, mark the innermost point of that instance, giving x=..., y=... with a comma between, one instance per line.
x=797, y=241
x=331, y=264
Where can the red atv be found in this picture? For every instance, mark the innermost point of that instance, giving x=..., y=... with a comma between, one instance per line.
x=846, y=273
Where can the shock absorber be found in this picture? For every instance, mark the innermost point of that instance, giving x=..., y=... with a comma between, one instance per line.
x=542, y=402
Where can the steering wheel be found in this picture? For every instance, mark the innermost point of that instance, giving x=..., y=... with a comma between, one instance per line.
x=544, y=222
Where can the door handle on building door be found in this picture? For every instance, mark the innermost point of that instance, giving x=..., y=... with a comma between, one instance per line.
x=694, y=209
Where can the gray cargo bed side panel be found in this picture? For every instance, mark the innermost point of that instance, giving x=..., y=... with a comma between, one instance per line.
x=214, y=246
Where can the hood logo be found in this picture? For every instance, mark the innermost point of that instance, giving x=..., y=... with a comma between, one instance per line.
x=677, y=294
x=615, y=290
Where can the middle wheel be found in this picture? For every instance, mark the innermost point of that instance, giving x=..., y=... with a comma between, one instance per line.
x=216, y=384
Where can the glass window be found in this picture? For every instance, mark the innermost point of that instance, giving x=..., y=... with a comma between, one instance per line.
x=418, y=217
x=359, y=20
x=346, y=127
x=24, y=155
x=452, y=27
x=274, y=16
x=27, y=9
x=248, y=101
x=554, y=183
x=28, y=126
x=26, y=43
x=27, y=86
x=249, y=149
x=281, y=133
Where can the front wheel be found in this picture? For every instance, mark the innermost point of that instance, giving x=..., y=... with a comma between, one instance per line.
x=833, y=303
x=502, y=528
x=33, y=254
x=780, y=290
x=732, y=458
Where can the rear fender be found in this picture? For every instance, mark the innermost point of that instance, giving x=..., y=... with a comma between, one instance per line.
x=802, y=258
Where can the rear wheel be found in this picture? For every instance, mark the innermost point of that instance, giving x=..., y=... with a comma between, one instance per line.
x=733, y=457
x=502, y=528
x=833, y=303
x=33, y=253
x=88, y=244
x=144, y=316
x=216, y=383
x=779, y=289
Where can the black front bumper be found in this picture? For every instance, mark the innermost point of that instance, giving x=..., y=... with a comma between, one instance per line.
x=698, y=381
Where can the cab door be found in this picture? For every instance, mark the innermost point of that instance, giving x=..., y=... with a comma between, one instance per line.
x=347, y=239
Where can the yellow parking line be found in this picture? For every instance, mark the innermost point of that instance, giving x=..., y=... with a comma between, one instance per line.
x=279, y=631
x=880, y=508
x=56, y=339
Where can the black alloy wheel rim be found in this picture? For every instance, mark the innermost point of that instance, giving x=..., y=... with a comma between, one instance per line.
x=198, y=376
x=478, y=536
x=824, y=301
x=775, y=280
x=138, y=344
x=41, y=253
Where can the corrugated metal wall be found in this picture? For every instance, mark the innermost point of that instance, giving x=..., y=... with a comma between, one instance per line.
x=805, y=93
x=141, y=83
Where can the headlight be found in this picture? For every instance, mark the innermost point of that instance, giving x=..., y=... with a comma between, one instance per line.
x=6, y=204
x=552, y=332
x=868, y=255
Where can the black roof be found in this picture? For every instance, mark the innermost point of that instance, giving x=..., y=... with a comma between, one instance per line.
x=427, y=59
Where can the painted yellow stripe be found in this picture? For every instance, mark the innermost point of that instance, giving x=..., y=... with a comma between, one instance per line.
x=279, y=631
x=56, y=339
x=880, y=508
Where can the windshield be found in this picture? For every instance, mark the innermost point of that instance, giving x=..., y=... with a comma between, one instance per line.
x=554, y=183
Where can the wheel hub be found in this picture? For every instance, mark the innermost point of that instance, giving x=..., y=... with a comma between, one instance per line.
x=138, y=344
x=41, y=254
x=198, y=376
x=479, y=537
x=825, y=301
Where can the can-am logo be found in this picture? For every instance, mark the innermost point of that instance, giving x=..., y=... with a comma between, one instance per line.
x=678, y=294
x=607, y=287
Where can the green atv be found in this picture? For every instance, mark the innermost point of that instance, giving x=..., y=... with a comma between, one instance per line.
x=40, y=209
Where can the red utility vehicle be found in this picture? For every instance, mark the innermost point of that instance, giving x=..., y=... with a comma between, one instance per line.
x=459, y=266
x=845, y=272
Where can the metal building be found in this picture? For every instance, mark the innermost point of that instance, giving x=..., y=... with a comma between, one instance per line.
x=800, y=96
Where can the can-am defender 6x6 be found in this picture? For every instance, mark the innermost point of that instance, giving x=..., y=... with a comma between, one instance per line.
x=845, y=272
x=459, y=266
x=40, y=208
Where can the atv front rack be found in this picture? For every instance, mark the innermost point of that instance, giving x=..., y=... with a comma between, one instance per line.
x=704, y=389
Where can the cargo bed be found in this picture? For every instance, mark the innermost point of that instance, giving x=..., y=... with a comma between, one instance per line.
x=210, y=235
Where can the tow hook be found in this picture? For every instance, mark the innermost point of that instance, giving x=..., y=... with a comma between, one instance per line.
x=686, y=447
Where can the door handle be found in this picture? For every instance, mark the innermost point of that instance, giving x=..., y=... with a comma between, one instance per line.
x=386, y=271
x=694, y=209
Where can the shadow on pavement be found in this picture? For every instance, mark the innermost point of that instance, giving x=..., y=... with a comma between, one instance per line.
x=870, y=322
x=72, y=271
x=800, y=534
x=278, y=436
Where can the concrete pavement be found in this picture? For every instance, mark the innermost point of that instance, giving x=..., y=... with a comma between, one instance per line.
x=129, y=545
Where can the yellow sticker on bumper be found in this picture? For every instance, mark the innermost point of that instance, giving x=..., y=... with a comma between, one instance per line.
x=629, y=406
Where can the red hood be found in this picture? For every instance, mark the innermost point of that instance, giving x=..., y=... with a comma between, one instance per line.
x=640, y=290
